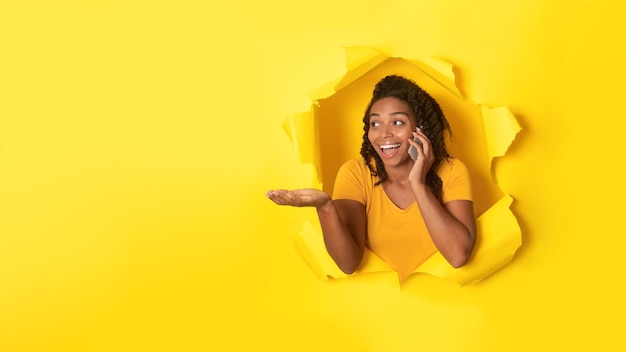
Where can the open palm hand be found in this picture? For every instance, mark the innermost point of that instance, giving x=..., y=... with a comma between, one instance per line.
x=306, y=197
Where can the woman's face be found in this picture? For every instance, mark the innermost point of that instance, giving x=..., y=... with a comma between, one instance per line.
x=391, y=125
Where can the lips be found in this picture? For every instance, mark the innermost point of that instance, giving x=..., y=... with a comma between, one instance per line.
x=389, y=150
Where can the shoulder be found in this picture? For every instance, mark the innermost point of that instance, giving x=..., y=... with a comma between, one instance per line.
x=355, y=166
x=456, y=180
x=354, y=181
x=451, y=167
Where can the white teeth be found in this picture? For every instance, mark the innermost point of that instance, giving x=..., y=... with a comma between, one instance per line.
x=387, y=146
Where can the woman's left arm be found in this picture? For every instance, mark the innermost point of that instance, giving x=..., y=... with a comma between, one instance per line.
x=452, y=226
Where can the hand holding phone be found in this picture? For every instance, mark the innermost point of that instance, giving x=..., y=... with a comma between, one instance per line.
x=413, y=149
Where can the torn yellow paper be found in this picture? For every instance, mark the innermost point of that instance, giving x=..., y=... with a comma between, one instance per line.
x=498, y=239
x=310, y=246
x=440, y=71
x=302, y=130
x=498, y=235
x=500, y=129
x=359, y=61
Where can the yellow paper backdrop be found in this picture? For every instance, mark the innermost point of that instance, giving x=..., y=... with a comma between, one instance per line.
x=137, y=139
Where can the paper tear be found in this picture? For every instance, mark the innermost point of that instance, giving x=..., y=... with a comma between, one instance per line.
x=303, y=131
x=498, y=239
x=359, y=62
x=441, y=71
x=310, y=246
x=501, y=127
x=498, y=232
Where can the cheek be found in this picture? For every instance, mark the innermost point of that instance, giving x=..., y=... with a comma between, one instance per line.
x=409, y=131
x=370, y=136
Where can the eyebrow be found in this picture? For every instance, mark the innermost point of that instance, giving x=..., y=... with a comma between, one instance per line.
x=392, y=114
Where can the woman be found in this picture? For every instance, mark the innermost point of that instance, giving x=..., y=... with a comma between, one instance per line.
x=403, y=210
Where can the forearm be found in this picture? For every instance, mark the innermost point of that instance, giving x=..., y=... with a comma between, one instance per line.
x=453, y=238
x=340, y=244
x=343, y=223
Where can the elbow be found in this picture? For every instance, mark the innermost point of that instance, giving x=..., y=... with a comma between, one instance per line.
x=462, y=254
x=348, y=271
x=349, y=265
x=348, y=261
x=348, y=268
x=458, y=263
x=461, y=258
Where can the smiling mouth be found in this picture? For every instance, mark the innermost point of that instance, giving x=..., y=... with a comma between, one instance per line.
x=389, y=148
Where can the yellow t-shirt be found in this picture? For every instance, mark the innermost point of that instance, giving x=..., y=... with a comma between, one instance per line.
x=398, y=236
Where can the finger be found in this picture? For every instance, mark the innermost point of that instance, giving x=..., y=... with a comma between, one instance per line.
x=418, y=140
x=280, y=197
x=282, y=201
x=421, y=133
x=425, y=142
x=276, y=199
x=415, y=136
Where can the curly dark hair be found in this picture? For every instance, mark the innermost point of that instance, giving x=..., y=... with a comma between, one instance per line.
x=428, y=115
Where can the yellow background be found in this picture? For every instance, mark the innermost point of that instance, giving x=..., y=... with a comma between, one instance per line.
x=137, y=139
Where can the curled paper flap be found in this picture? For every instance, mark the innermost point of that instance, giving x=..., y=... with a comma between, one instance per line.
x=303, y=131
x=441, y=71
x=498, y=232
x=310, y=246
x=359, y=61
x=498, y=239
x=501, y=127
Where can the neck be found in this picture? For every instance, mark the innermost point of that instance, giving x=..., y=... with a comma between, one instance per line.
x=398, y=175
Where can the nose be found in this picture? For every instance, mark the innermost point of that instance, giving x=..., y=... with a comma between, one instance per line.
x=385, y=131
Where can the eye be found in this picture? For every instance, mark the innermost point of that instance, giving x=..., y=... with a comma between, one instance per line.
x=374, y=124
x=398, y=122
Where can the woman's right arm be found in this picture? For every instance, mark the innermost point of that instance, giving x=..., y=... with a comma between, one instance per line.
x=343, y=223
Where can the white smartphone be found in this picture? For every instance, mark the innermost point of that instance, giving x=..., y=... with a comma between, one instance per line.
x=413, y=150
